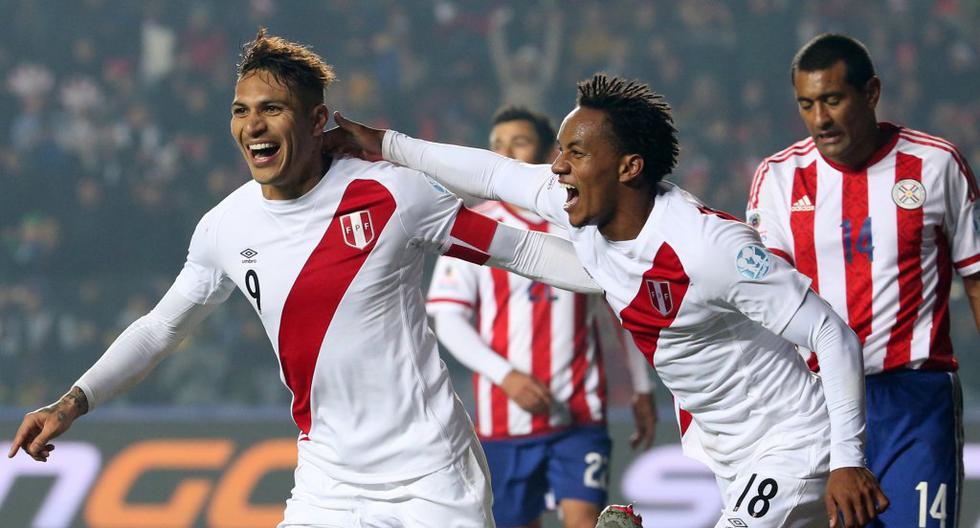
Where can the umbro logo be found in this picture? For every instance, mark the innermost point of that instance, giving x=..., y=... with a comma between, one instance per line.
x=802, y=205
x=249, y=255
x=737, y=523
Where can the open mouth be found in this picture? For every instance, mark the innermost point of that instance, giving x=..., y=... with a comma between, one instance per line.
x=263, y=152
x=572, y=195
x=831, y=136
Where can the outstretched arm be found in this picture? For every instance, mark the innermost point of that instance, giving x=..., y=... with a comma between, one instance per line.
x=133, y=354
x=538, y=256
x=465, y=170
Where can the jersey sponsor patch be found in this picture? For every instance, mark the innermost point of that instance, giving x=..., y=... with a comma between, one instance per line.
x=752, y=261
x=755, y=220
x=909, y=194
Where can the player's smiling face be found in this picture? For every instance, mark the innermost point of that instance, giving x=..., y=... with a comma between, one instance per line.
x=587, y=167
x=840, y=117
x=277, y=134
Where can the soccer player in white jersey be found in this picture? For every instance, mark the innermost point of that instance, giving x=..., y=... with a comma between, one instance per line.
x=879, y=216
x=539, y=376
x=708, y=305
x=329, y=251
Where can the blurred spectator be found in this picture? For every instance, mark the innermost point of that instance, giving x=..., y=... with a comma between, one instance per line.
x=116, y=121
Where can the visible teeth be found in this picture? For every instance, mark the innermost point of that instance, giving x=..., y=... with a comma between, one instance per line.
x=566, y=185
x=260, y=146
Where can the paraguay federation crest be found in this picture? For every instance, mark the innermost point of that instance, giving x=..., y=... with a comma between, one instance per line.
x=909, y=194
x=358, y=229
x=660, y=296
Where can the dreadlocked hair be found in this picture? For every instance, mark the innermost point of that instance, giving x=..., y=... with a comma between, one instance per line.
x=640, y=120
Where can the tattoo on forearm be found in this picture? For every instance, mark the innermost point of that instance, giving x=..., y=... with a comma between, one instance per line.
x=77, y=401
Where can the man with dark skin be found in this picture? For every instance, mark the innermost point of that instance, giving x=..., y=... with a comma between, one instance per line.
x=656, y=251
x=879, y=216
x=526, y=340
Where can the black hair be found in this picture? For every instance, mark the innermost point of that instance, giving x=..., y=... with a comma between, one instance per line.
x=640, y=120
x=823, y=51
x=541, y=123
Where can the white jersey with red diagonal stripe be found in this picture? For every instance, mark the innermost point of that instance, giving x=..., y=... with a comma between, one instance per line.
x=335, y=277
x=705, y=302
x=548, y=333
x=880, y=241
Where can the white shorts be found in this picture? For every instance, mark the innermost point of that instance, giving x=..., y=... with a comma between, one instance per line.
x=456, y=496
x=778, y=489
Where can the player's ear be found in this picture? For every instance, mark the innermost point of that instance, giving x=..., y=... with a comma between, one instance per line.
x=630, y=168
x=321, y=115
x=872, y=90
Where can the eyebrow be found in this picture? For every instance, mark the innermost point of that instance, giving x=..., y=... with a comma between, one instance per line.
x=824, y=95
x=260, y=102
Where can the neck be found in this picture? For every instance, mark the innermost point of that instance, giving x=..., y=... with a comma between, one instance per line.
x=631, y=215
x=876, y=138
x=299, y=186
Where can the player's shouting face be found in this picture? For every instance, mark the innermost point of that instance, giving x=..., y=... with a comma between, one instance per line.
x=590, y=167
x=278, y=135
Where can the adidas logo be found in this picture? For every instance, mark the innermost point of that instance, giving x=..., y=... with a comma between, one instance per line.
x=803, y=204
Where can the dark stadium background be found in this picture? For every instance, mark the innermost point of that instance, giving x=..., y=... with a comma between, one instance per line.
x=114, y=122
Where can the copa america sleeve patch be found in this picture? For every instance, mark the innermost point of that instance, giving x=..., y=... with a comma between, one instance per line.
x=752, y=261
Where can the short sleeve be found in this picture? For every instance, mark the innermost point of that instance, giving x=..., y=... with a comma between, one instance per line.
x=454, y=287
x=202, y=280
x=737, y=270
x=767, y=212
x=426, y=209
x=963, y=217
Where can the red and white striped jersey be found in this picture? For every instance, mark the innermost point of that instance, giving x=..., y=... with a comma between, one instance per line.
x=334, y=276
x=880, y=242
x=548, y=333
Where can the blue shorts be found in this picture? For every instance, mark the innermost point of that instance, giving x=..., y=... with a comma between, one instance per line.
x=572, y=463
x=915, y=446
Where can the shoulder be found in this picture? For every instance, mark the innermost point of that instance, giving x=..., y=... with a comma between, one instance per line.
x=796, y=154
x=929, y=147
x=241, y=201
x=779, y=167
x=937, y=152
x=400, y=181
x=700, y=235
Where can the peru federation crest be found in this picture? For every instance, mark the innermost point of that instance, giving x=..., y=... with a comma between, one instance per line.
x=358, y=229
x=660, y=296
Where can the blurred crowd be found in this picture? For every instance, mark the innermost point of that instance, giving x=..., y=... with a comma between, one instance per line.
x=115, y=115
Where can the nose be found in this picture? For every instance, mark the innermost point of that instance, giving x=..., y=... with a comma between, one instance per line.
x=561, y=166
x=254, y=125
x=821, y=116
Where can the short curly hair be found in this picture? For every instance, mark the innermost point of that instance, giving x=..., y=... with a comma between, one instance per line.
x=294, y=65
x=640, y=120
